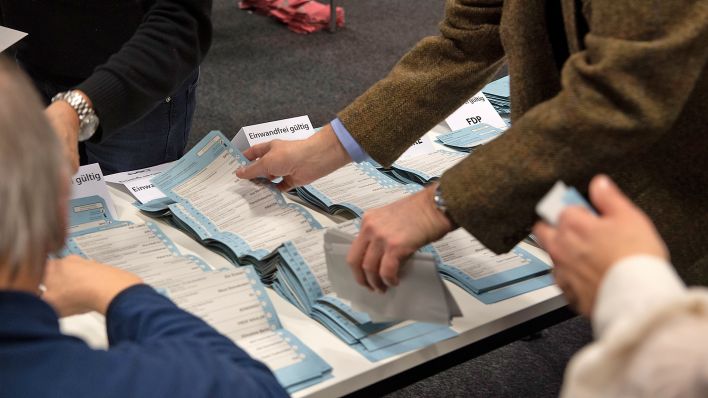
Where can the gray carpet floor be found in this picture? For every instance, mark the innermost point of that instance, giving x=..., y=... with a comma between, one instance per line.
x=258, y=71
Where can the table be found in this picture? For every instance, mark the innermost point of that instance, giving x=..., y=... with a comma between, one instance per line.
x=481, y=329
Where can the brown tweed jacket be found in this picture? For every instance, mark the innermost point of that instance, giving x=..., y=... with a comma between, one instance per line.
x=631, y=101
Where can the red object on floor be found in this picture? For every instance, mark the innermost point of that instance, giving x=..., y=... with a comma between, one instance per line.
x=301, y=16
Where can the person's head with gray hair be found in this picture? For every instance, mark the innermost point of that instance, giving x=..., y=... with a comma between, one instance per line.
x=35, y=178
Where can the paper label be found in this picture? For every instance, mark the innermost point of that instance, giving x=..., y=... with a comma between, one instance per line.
x=89, y=181
x=9, y=37
x=421, y=147
x=296, y=128
x=474, y=111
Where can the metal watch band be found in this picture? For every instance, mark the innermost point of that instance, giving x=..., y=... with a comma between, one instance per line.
x=440, y=202
x=88, y=121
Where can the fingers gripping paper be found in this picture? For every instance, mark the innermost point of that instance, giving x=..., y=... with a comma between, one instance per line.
x=421, y=294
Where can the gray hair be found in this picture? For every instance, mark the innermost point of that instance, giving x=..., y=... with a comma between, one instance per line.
x=33, y=170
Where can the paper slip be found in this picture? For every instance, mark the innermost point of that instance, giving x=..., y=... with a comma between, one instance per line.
x=296, y=128
x=138, y=183
x=9, y=37
x=558, y=199
x=474, y=111
x=89, y=181
x=421, y=147
x=122, y=178
x=421, y=294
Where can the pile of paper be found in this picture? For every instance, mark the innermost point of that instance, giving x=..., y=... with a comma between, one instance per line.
x=233, y=300
x=465, y=139
x=301, y=16
x=353, y=189
x=303, y=278
x=497, y=93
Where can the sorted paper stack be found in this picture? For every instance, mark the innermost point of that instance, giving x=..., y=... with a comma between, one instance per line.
x=497, y=93
x=301, y=16
x=467, y=138
x=303, y=279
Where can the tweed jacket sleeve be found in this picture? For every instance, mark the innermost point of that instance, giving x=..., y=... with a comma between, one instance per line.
x=619, y=95
x=436, y=77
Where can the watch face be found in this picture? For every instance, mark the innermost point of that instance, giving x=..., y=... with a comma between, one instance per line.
x=88, y=127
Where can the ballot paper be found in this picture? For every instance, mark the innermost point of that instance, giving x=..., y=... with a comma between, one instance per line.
x=233, y=301
x=558, y=199
x=490, y=277
x=498, y=94
x=475, y=111
x=301, y=16
x=8, y=37
x=353, y=189
x=87, y=186
x=424, y=168
x=292, y=129
x=302, y=279
x=245, y=221
x=420, y=295
x=465, y=139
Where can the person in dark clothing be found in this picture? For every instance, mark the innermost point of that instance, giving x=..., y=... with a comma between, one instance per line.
x=156, y=349
x=118, y=77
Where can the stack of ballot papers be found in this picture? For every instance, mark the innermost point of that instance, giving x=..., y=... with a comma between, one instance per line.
x=467, y=138
x=303, y=279
x=243, y=220
x=353, y=189
x=232, y=300
x=301, y=16
x=489, y=277
x=497, y=92
x=420, y=295
x=424, y=168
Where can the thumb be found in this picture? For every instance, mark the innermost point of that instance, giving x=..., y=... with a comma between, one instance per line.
x=254, y=170
x=607, y=197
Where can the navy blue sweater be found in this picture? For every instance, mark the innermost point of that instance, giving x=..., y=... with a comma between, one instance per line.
x=156, y=350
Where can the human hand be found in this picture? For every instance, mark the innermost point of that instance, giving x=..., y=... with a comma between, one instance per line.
x=65, y=122
x=391, y=234
x=75, y=285
x=584, y=246
x=298, y=162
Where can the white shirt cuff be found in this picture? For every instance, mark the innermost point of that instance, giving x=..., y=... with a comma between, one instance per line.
x=631, y=287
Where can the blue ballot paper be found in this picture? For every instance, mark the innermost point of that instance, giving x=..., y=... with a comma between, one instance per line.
x=469, y=137
x=233, y=300
x=558, y=199
x=353, y=189
x=243, y=220
x=424, y=168
x=303, y=279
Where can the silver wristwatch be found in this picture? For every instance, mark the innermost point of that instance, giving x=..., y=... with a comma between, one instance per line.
x=440, y=202
x=88, y=121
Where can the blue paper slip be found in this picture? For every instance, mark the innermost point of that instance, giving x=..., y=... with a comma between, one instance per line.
x=469, y=137
x=303, y=279
x=233, y=300
x=425, y=168
x=353, y=189
x=558, y=199
x=245, y=221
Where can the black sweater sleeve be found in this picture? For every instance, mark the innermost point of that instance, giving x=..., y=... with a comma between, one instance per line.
x=169, y=44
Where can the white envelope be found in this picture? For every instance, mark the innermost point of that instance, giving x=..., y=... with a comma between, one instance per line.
x=420, y=295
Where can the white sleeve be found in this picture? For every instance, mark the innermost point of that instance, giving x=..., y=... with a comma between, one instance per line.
x=651, y=336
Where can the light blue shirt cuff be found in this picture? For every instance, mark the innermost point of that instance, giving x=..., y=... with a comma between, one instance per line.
x=350, y=145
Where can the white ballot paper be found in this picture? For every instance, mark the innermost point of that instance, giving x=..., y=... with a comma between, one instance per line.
x=474, y=111
x=295, y=128
x=423, y=146
x=9, y=37
x=421, y=294
x=558, y=199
